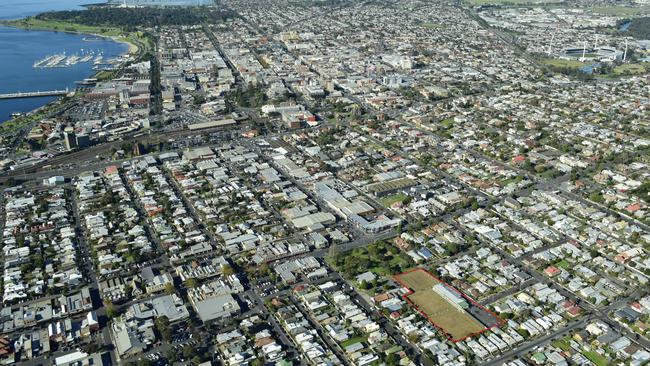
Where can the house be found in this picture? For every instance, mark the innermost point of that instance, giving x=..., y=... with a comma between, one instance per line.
x=552, y=271
x=368, y=277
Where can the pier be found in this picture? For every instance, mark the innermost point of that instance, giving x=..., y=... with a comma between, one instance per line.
x=47, y=93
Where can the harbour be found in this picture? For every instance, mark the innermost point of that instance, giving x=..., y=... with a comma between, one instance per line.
x=23, y=50
x=49, y=61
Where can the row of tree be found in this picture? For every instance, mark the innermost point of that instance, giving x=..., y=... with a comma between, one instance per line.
x=132, y=18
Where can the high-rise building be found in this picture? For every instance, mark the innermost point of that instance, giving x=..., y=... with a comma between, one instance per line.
x=70, y=140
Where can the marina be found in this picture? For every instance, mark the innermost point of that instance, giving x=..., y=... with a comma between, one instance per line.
x=64, y=60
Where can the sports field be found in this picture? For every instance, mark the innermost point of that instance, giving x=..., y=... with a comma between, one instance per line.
x=440, y=312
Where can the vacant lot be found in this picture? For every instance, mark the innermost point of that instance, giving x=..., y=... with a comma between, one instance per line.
x=560, y=63
x=629, y=69
x=417, y=280
x=457, y=324
x=389, y=200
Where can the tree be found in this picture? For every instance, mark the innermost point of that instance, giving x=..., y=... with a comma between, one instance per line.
x=264, y=269
x=162, y=326
x=392, y=359
x=111, y=310
x=191, y=282
x=171, y=356
x=132, y=18
x=143, y=362
x=332, y=253
x=128, y=290
x=596, y=197
x=227, y=270
x=92, y=347
x=198, y=99
x=364, y=285
x=451, y=248
x=257, y=362
x=377, y=249
x=169, y=289
x=188, y=351
x=426, y=159
x=523, y=332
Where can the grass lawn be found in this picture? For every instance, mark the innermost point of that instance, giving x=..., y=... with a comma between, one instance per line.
x=384, y=269
x=418, y=280
x=620, y=10
x=104, y=75
x=389, y=200
x=21, y=122
x=561, y=344
x=516, y=179
x=596, y=358
x=571, y=64
x=380, y=258
x=563, y=264
x=630, y=69
x=432, y=25
x=447, y=123
x=459, y=324
x=394, y=349
x=379, y=271
x=134, y=43
x=354, y=340
x=33, y=23
x=135, y=40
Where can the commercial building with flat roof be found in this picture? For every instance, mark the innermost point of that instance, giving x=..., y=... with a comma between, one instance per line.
x=211, y=124
x=216, y=307
x=79, y=358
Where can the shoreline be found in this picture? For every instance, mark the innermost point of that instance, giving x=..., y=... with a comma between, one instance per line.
x=132, y=50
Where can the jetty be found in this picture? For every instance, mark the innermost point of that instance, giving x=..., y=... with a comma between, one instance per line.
x=47, y=93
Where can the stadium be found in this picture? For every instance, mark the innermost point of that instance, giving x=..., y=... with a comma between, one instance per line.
x=606, y=54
